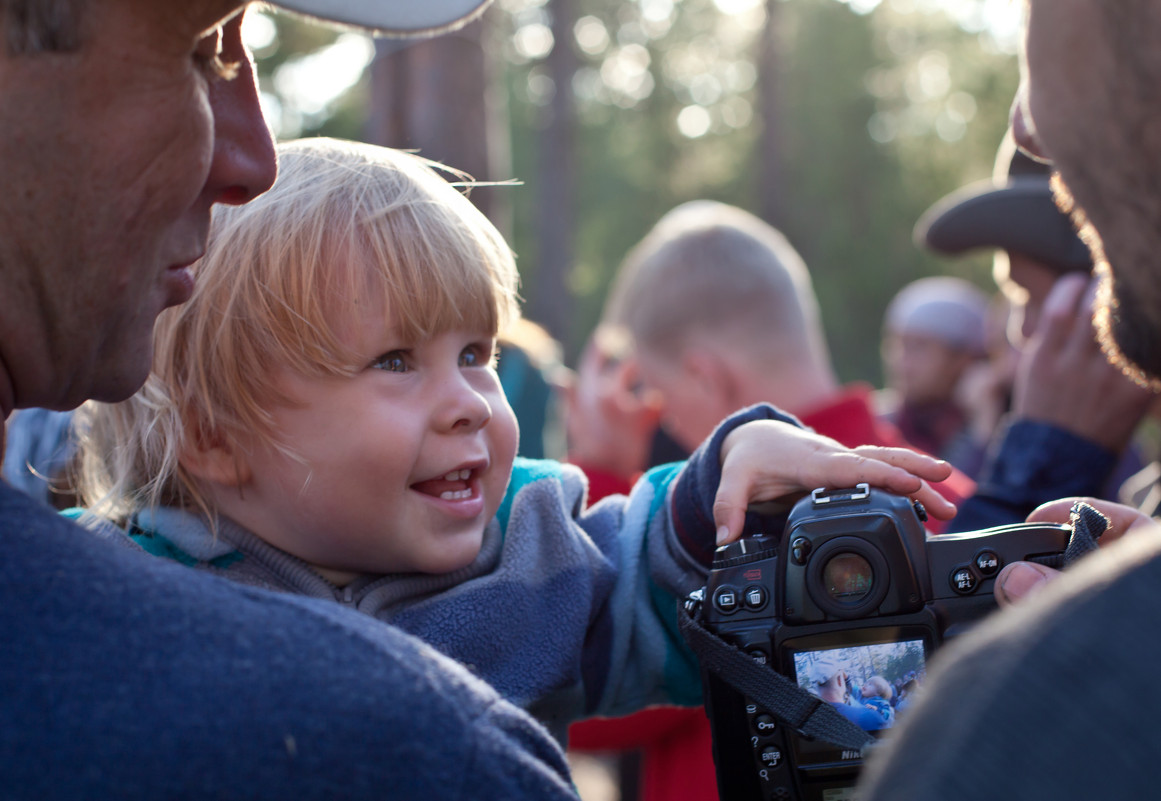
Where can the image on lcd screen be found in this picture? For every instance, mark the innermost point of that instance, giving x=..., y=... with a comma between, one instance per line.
x=870, y=685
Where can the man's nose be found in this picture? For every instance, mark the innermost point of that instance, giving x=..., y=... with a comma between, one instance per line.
x=1024, y=127
x=244, y=165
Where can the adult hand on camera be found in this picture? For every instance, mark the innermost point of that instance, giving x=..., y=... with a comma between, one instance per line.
x=1021, y=579
x=1064, y=379
x=765, y=460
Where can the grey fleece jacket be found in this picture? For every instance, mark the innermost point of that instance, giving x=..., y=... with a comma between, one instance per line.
x=568, y=611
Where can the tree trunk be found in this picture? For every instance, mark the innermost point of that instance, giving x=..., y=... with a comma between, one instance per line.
x=436, y=96
x=770, y=155
x=551, y=303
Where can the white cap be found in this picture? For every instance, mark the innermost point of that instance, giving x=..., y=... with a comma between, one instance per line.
x=391, y=16
x=949, y=309
x=824, y=669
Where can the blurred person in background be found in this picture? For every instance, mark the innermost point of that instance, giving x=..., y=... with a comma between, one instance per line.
x=1068, y=664
x=934, y=332
x=1070, y=427
x=534, y=379
x=719, y=313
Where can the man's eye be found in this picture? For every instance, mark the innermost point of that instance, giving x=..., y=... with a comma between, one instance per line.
x=208, y=57
x=393, y=362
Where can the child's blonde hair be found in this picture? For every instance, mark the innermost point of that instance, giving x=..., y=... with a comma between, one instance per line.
x=274, y=290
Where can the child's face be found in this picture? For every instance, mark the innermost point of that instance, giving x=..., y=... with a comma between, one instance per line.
x=403, y=464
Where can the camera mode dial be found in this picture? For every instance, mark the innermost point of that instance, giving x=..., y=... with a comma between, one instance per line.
x=744, y=551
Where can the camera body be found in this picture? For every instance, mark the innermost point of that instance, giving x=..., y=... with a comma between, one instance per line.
x=849, y=602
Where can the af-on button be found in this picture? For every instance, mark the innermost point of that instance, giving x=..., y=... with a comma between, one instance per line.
x=988, y=563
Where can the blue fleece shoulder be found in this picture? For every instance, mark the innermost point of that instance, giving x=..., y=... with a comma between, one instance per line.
x=525, y=472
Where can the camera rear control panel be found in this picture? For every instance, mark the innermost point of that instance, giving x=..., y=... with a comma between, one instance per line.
x=770, y=755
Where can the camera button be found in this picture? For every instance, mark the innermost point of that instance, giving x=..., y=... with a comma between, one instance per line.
x=799, y=550
x=726, y=600
x=964, y=581
x=755, y=597
x=988, y=563
x=771, y=756
x=766, y=725
x=759, y=656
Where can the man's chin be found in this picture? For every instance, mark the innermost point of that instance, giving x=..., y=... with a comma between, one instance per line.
x=116, y=385
x=1126, y=335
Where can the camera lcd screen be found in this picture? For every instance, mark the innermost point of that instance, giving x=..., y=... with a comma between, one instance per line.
x=870, y=676
x=866, y=683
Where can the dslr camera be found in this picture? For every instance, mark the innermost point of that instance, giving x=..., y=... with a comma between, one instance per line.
x=849, y=603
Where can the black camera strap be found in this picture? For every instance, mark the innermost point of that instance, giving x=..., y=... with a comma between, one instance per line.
x=772, y=691
x=791, y=704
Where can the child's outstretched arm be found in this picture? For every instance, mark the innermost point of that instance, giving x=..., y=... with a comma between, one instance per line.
x=764, y=460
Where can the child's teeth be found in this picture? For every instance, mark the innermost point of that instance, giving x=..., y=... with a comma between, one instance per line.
x=457, y=475
x=457, y=495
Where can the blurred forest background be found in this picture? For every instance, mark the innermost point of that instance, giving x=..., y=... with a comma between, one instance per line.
x=838, y=121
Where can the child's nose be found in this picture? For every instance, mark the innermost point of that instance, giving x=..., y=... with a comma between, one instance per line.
x=463, y=407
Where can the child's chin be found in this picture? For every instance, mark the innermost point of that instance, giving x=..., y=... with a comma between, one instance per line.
x=454, y=557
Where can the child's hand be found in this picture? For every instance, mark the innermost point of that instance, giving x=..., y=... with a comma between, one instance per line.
x=764, y=460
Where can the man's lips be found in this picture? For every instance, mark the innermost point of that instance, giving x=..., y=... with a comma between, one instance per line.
x=179, y=283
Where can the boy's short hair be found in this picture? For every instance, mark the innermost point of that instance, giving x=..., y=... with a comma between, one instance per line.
x=707, y=269
x=345, y=223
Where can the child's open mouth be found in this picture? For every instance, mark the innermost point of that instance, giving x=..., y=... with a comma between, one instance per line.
x=454, y=486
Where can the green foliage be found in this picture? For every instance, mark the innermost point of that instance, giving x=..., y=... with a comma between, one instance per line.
x=848, y=201
x=879, y=115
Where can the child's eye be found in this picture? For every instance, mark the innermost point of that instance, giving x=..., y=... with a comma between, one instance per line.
x=393, y=362
x=478, y=354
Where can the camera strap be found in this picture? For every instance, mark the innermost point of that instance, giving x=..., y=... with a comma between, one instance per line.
x=775, y=693
x=1087, y=526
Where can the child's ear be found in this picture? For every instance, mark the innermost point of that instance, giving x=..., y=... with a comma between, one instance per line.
x=214, y=460
x=710, y=377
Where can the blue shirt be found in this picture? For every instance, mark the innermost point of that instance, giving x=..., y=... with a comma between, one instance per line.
x=130, y=677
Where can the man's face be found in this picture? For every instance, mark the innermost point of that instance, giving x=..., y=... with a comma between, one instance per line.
x=1027, y=283
x=1090, y=102
x=110, y=158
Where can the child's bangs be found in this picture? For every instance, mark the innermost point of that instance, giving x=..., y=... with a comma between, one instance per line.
x=438, y=271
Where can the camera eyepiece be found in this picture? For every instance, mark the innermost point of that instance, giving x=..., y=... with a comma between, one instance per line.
x=847, y=577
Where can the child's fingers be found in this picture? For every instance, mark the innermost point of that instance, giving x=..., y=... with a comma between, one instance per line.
x=849, y=469
x=920, y=464
x=915, y=464
x=730, y=509
x=936, y=505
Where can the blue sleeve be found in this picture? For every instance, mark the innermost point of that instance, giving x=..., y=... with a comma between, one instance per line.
x=665, y=539
x=693, y=497
x=1034, y=463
